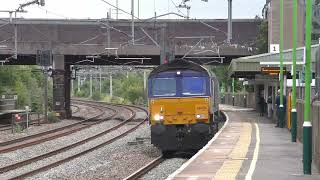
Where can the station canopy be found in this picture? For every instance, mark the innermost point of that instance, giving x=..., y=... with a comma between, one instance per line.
x=248, y=67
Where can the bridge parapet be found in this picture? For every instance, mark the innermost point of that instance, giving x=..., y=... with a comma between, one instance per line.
x=88, y=37
x=151, y=50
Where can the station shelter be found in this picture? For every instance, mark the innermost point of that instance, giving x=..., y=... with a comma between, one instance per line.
x=260, y=74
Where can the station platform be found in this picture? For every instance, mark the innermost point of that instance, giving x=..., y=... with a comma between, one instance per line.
x=247, y=147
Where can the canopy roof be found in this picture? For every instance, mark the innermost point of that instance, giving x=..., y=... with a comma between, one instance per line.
x=248, y=67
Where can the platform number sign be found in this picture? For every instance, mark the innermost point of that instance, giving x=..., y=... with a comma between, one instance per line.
x=274, y=48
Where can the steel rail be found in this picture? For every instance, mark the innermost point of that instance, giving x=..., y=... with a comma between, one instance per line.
x=57, y=163
x=113, y=104
x=77, y=108
x=144, y=170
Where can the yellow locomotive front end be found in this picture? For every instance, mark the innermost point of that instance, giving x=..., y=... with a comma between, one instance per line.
x=180, y=107
x=175, y=111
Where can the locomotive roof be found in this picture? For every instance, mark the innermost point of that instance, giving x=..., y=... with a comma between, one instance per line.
x=179, y=64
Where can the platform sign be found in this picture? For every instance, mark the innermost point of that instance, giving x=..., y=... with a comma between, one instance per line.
x=274, y=48
x=273, y=71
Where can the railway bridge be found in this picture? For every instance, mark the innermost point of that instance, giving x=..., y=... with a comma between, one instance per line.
x=110, y=42
x=113, y=39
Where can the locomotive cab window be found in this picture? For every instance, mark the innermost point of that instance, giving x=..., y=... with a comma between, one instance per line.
x=164, y=87
x=193, y=86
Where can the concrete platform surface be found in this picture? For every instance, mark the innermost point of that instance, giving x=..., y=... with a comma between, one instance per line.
x=247, y=147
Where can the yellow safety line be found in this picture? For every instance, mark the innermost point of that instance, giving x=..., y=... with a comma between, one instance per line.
x=231, y=167
x=255, y=155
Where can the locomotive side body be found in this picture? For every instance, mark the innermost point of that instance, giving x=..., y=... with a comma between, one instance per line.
x=181, y=106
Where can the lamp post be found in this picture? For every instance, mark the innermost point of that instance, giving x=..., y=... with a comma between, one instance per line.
x=294, y=63
x=281, y=107
x=307, y=126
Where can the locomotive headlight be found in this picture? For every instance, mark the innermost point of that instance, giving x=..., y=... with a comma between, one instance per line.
x=199, y=116
x=158, y=117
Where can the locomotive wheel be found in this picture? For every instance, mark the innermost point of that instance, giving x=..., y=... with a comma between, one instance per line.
x=168, y=154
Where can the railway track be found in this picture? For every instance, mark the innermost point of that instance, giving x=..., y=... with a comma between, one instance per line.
x=144, y=170
x=77, y=108
x=64, y=160
x=56, y=133
x=5, y=127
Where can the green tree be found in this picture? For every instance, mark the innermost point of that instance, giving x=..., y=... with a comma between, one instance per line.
x=126, y=89
x=222, y=73
x=26, y=82
x=262, y=39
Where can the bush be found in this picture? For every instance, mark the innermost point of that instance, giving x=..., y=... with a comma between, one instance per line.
x=52, y=118
x=24, y=81
x=18, y=128
x=140, y=101
x=96, y=96
x=80, y=94
x=117, y=100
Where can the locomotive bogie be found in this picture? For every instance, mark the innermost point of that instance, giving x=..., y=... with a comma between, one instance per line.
x=180, y=137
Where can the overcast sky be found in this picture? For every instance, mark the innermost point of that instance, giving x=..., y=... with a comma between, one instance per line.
x=95, y=9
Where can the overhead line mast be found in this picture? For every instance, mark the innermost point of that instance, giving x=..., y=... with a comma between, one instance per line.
x=20, y=10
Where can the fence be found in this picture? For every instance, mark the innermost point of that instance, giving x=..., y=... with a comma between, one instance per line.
x=241, y=99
